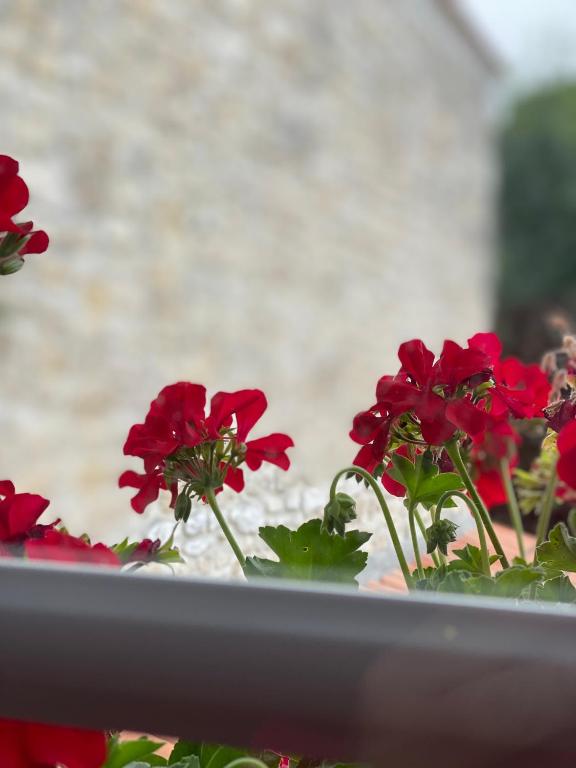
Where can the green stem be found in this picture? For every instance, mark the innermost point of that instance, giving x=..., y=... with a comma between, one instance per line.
x=514, y=509
x=385, y=511
x=414, y=537
x=211, y=499
x=250, y=762
x=422, y=527
x=454, y=453
x=546, y=510
x=477, y=519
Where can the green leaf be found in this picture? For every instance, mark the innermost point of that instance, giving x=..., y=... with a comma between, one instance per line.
x=184, y=748
x=310, y=553
x=559, y=551
x=192, y=761
x=464, y=583
x=122, y=753
x=512, y=582
x=424, y=485
x=431, y=489
x=557, y=590
x=216, y=756
x=469, y=559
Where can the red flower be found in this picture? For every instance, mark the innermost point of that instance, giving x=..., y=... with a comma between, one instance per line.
x=498, y=441
x=567, y=449
x=491, y=488
x=179, y=442
x=519, y=389
x=144, y=552
x=18, y=239
x=31, y=745
x=19, y=513
x=428, y=389
x=63, y=548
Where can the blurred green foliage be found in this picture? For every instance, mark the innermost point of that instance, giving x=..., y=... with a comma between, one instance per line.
x=537, y=216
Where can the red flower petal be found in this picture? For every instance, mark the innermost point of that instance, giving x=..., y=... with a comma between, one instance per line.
x=247, y=405
x=149, y=486
x=61, y=547
x=7, y=488
x=567, y=449
x=435, y=427
x=491, y=489
x=466, y=416
x=397, y=396
x=367, y=459
x=38, y=242
x=457, y=365
x=19, y=513
x=365, y=427
x=417, y=360
x=14, y=196
x=271, y=448
x=567, y=438
x=13, y=752
x=235, y=479
x=73, y=747
x=489, y=343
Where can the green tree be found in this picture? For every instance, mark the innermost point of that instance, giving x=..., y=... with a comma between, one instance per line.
x=537, y=217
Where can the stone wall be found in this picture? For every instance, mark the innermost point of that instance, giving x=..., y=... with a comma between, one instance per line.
x=240, y=193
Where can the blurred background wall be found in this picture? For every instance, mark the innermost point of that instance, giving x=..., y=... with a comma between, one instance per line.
x=239, y=193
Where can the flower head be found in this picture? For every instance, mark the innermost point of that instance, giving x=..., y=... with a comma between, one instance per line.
x=182, y=445
x=61, y=547
x=466, y=392
x=19, y=513
x=16, y=239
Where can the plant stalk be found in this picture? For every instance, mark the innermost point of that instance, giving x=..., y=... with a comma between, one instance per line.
x=546, y=510
x=514, y=509
x=454, y=454
x=211, y=499
x=477, y=519
x=422, y=527
x=414, y=537
x=385, y=511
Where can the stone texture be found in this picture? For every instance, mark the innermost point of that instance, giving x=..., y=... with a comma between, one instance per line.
x=241, y=193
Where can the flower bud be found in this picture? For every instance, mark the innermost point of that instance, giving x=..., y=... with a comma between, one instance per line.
x=9, y=266
x=339, y=511
x=183, y=507
x=439, y=535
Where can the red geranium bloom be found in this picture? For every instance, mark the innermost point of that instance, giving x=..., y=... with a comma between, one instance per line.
x=491, y=488
x=519, y=389
x=18, y=239
x=178, y=441
x=567, y=449
x=19, y=513
x=430, y=390
x=466, y=390
x=63, y=548
x=32, y=745
x=498, y=441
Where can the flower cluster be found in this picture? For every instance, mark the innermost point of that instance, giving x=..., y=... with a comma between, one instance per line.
x=179, y=443
x=22, y=535
x=16, y=239
x=467, y=392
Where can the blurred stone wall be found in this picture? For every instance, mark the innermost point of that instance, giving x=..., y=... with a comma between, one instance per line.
x=239, y=193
